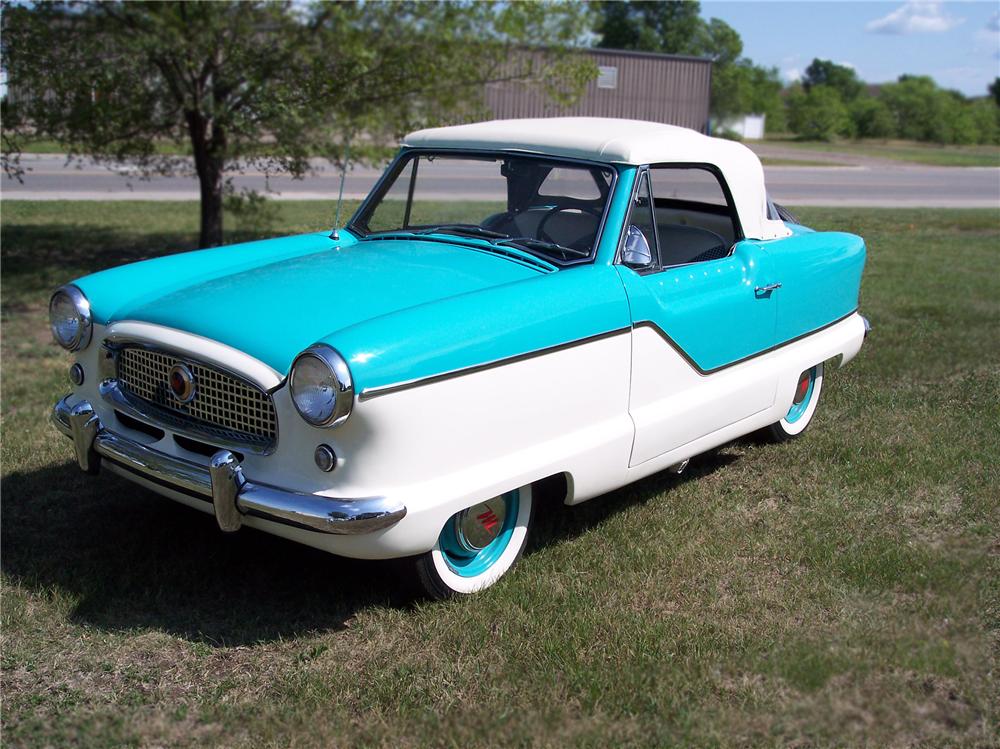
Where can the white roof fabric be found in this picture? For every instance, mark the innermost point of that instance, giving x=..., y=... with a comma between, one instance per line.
x=622, y=142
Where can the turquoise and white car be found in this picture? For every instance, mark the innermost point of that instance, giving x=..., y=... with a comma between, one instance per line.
x=580, y=302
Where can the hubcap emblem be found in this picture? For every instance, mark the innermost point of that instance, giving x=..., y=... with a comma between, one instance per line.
x=479, y=525
x=802, y=389
x=181, y=382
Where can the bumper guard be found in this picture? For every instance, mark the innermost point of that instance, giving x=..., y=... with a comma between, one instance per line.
x=222, y=482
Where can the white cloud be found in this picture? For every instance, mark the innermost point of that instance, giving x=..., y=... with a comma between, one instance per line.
x=792, y=75
x=915, y=17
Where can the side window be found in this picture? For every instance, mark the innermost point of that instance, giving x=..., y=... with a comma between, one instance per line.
x=639, y=249
x=695, y=220
x=570, y=183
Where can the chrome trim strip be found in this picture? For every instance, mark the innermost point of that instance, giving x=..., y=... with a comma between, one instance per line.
x=375, y=392
x=694, y=365
x=223, y=482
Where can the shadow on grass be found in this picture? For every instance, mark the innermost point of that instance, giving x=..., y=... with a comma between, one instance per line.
x=38, y=257
x=124, y=558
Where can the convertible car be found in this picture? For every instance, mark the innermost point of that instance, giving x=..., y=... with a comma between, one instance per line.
x=571, y=301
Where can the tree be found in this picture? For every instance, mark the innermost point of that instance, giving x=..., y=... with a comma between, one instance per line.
x=922, y=111
x=818, y=114
x=113, y=79
x=994, y=89
x=871, y=118
x=842, y=79
x=672, y=26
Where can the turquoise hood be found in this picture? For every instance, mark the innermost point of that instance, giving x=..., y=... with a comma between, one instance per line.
x=272, y=299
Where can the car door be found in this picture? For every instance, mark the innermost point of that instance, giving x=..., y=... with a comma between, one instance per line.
x=700, y=306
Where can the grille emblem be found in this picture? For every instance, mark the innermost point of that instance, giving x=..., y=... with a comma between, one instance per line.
x=181, y=382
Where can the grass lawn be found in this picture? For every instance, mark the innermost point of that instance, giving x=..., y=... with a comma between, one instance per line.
x=842, y=589
x=901, y=150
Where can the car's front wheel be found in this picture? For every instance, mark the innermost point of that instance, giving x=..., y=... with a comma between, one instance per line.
x=477, y=545
x=803, y=407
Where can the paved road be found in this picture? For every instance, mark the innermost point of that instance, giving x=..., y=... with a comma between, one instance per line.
x=892, y=185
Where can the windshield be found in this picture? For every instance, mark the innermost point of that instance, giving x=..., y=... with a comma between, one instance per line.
x=551, y=208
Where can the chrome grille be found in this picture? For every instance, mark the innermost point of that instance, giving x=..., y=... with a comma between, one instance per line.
x=224, y=407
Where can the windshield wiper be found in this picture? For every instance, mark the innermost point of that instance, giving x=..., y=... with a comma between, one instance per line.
x=470, y=229
x=541, y=244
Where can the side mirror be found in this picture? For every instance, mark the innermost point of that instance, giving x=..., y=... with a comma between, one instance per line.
x=636, y=253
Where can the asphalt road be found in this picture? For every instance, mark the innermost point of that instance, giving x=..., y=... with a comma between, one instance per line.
x=873, y=184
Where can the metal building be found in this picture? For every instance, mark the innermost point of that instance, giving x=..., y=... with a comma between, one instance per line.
x=634, y=85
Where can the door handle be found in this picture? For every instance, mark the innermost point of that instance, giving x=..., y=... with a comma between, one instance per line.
x=766, y=289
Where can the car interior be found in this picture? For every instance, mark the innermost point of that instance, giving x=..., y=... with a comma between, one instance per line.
x=552, y=203
x=694, y=219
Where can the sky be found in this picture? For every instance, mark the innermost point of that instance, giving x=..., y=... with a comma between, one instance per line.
x=956, y=43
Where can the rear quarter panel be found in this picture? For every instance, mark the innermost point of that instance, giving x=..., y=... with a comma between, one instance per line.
x=820, y=276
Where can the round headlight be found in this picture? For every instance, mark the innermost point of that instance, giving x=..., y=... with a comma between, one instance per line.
x=69, y=318
x=321, y=387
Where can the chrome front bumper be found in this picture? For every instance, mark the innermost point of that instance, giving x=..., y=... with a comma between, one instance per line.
x=222, y=482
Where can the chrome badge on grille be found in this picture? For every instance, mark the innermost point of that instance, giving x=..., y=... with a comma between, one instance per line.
x=182, y=383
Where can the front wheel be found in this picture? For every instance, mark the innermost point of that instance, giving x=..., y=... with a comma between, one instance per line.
x=477, y=545
x=803, y=406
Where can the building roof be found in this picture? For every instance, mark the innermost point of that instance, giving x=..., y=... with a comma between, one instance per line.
x=621, y=142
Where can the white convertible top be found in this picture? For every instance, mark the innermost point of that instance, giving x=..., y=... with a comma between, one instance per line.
x=622, y=142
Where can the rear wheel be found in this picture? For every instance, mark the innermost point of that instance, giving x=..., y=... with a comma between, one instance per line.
x=477, y=545
x=803, y=407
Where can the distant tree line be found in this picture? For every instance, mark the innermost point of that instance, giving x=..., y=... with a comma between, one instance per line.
x=832, y=101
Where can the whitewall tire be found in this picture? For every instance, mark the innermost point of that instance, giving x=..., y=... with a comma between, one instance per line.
x=477, y=546
x=804, y=402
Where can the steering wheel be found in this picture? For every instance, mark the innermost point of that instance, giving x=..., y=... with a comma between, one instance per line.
x=542, y=234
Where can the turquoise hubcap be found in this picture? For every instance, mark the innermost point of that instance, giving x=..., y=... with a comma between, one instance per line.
x=803, y=394
x=474, y=539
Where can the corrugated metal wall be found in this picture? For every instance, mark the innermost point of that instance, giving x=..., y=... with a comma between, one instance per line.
x=658, y=88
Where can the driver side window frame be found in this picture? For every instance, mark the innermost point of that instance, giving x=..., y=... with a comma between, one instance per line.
x=642, y=183
x=643, y=179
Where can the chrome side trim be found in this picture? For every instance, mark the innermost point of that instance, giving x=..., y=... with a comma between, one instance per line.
x=375, y=392
x=223, y=482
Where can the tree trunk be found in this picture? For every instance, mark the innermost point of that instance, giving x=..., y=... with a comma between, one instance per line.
x=208, y=145
x=210, y=180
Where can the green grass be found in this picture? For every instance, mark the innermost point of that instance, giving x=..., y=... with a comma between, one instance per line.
x=914, y=152
x=842, y=589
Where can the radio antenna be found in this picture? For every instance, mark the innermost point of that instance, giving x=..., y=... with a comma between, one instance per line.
x=335, y=234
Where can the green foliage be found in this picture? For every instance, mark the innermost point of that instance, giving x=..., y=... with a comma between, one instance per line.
x=818, y=114
x=913, y=108
x=673, y=26
x=872, y=118
x=994, y=90
x=984, y=115
x=922, y=111
x=840, y=78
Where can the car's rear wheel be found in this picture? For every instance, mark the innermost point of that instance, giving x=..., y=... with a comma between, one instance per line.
x=803, y=407
x=477, y=546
